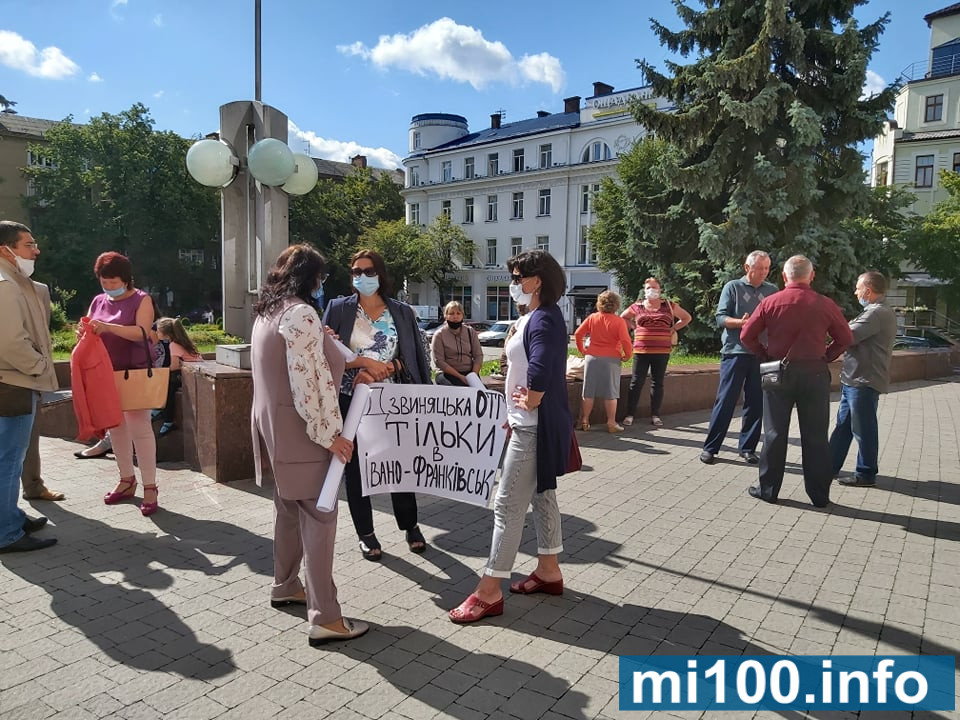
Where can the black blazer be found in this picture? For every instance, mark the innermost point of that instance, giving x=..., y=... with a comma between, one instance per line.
x=341, y=314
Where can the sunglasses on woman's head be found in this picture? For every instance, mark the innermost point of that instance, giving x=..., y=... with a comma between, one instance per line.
x=369, y=272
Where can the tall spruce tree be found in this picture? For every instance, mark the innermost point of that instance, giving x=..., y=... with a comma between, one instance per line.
x=765, y=124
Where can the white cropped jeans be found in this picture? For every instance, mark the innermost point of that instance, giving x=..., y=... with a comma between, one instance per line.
x=518, y=487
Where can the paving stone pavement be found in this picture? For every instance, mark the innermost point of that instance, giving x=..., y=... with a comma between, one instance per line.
x=168, y=616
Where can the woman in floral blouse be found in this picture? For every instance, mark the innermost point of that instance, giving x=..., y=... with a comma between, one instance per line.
x=384, y=334
x=296, y=419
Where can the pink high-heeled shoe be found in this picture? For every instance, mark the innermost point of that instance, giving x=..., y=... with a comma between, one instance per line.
x=149, y=508
x=128, y=487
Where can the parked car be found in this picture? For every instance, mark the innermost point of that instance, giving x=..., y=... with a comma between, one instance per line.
x=909, y=342
x=429, y=325
x=480, y=325
x=496, y=334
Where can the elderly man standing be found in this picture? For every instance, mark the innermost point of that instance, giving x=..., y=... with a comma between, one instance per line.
x=739, y=368
x=865, y=374
x=797, y=321
x=26, y=368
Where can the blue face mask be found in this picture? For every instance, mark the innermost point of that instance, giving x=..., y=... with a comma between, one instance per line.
x=114, y=293
x=864, y=302
x=366, y=286
x=317, y=295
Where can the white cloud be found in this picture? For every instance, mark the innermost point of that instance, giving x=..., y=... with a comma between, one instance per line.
x=341, y=150
x=20, y=54
x=116, y=3
x=461, y=53
x=158, y=94
x=158, y=20
x=94, y=78
x=872, y=84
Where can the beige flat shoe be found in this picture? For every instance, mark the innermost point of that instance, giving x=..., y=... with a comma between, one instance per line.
x=614, y=428
x=319, y=634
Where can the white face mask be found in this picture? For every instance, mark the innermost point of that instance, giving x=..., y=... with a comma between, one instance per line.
x=24, y=266
x=518, y=295
x=651, y=294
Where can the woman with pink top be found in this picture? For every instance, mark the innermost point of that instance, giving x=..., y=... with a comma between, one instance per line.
x=609, y=347
x=122, y=315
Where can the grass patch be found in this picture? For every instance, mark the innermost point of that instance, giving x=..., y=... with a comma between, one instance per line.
x=205, y=337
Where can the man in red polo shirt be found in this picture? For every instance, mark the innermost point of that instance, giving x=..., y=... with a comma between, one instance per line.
x=797, y=321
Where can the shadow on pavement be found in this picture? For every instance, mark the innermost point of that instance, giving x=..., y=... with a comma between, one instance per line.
x=88, y=574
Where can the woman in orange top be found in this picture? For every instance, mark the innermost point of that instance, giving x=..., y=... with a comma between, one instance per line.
x=609, y=347
x=653, y=321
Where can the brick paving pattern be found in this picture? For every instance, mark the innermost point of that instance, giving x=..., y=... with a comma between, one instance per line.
x=168, y=616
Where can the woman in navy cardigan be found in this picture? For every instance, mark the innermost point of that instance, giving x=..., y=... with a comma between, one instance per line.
x=539, y=445
x=385, y=335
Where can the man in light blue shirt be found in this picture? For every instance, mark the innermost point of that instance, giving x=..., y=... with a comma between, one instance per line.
x=739, y=368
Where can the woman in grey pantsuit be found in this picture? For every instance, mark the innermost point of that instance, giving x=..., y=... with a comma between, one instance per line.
x=296, y=373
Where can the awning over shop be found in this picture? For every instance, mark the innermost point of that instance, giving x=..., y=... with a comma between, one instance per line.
x=586, y=290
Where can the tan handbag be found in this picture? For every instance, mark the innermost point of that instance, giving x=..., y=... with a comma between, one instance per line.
x=142, y=389
x=674, y=335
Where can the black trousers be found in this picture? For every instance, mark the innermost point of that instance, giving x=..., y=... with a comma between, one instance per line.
x=361, y=510
x=806, y=385
x=172, y=387
x=657, y=366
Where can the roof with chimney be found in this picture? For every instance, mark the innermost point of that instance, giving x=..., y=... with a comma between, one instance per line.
x=943, y=12
x=333, y=170
x=509, y=131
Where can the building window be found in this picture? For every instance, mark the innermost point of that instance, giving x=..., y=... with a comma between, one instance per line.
x=414, y=176
x=881, y=171
x=546, y=155
x=583, y=247
x=587, y=193
x=491, y=208
x=933, y=111
x=596, y=151
x=499, y=306
x=446, y=171
x=414, y=213
x=543, y=243
x=956, y=165
x=544, y=206
x=464, y=295
x=491, y=251
x=493, y=163
x=518, y=160
x=466, y=255
x=516, y=244
x=445, y=208
x=924, y=173
x=416, y=139
x=518, y=206
x=468, y=210
x=36, y=160
x=191, y=257
x=468, y=171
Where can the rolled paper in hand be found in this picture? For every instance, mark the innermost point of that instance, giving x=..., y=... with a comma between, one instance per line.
x=348, y=354
x=331, y=484
x=474, y=381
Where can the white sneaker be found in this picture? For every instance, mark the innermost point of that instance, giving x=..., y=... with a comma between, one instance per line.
x=655, y=421
x=319, y=634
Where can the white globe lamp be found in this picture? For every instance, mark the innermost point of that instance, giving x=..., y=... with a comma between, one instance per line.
x=271, y=162
x=304, y=176
x=211, y=163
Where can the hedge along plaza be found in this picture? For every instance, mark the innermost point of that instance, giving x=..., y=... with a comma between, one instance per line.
x=443, y=441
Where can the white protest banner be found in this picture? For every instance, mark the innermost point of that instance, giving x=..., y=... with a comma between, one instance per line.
x=330, y=492
x=433, y=439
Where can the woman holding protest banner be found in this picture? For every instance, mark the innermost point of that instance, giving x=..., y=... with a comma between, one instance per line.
x=383, y=332
x=296, y=371
x=539, y=446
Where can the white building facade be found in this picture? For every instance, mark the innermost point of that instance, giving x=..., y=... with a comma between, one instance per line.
x=923, y=138
x=518, y=186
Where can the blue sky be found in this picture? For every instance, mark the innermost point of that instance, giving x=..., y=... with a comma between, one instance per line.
x=349, y=75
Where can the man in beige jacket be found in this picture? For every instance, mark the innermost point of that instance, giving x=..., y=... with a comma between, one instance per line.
x=26, y=370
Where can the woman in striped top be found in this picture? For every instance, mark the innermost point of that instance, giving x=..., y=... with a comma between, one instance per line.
x=653, y=321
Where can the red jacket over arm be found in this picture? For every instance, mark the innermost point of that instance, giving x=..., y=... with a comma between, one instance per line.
x=96, y=402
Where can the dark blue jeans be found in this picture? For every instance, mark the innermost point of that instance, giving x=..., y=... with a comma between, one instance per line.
x=856, y=418
x=14, y=441
x=737, y=372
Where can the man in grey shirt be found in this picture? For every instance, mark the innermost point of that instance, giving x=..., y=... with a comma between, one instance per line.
x=865, y=374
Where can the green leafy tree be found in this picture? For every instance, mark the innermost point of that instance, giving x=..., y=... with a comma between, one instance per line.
x=116, y=184
x=765, y=125
x=934, y=244
x=6, y=106
x=443, y=247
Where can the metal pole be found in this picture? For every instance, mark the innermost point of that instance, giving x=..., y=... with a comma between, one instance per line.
x=256, y=42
